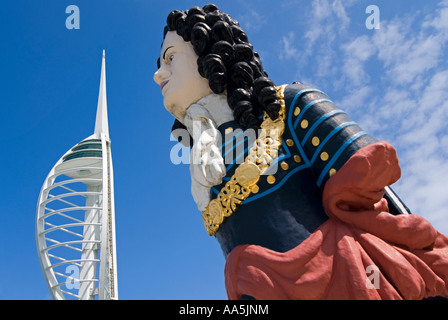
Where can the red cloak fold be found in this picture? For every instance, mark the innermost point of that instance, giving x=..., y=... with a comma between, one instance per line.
x=361, y=252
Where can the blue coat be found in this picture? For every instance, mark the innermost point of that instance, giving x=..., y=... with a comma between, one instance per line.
x=318, y=139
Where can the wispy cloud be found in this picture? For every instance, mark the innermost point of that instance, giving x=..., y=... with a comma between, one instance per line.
x=251, y=20
x=288, y=46
x=356, y=53
x=407, y=55
x=325, y=21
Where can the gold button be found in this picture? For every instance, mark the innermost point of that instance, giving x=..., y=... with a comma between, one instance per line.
x=332, y=172
x=296, y=111
x=324, y=156
x=284, y=165
x=255, y=189
x=271, y=179
x=315, y=141
x=229, y=130
x=297, y=159
x=304, y=124
x=289, y=142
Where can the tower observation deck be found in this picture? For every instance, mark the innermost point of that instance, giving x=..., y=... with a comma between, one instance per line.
x=75, y=220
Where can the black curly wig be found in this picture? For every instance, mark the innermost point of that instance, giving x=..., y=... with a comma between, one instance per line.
x=227, y=59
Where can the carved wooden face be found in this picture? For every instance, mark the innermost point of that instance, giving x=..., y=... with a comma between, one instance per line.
x=178, y=76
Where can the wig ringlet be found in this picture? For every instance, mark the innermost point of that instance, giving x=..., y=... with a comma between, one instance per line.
x=227, y=60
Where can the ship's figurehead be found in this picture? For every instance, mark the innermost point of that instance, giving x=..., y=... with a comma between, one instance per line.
x=296, y=193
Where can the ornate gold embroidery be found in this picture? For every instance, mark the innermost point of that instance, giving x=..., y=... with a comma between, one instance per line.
x=244, y=181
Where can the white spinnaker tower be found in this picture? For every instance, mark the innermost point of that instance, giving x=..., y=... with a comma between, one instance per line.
x=75, y=221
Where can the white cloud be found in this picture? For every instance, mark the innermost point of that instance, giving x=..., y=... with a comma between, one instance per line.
x=440, y=21
x=361, y=48
x=405, y=56
x=251, y=20
x=340, y=12
x=325, y=20
x=289, y=51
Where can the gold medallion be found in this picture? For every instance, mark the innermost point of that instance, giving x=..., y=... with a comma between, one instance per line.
x=247, y=174
x=213, y=216
x=274, y=127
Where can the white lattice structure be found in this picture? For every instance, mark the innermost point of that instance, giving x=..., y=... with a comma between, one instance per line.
x=75, y=222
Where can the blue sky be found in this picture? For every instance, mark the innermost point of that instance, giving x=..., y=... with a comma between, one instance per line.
x=392, y=81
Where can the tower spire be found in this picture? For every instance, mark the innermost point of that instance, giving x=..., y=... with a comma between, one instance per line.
x=83, y=175
x=101, y=124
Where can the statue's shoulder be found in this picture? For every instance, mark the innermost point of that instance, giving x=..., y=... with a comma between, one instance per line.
x=323, y=134
x=298, y=90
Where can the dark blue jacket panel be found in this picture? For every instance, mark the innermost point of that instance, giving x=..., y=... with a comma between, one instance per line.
x=318, y=139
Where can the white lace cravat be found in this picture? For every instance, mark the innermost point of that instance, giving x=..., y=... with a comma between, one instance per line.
x=206, y=163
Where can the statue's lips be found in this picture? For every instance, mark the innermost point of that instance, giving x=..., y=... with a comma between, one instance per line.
x=163, y=84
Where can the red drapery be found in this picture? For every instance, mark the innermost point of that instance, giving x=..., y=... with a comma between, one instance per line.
x=404, y=255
